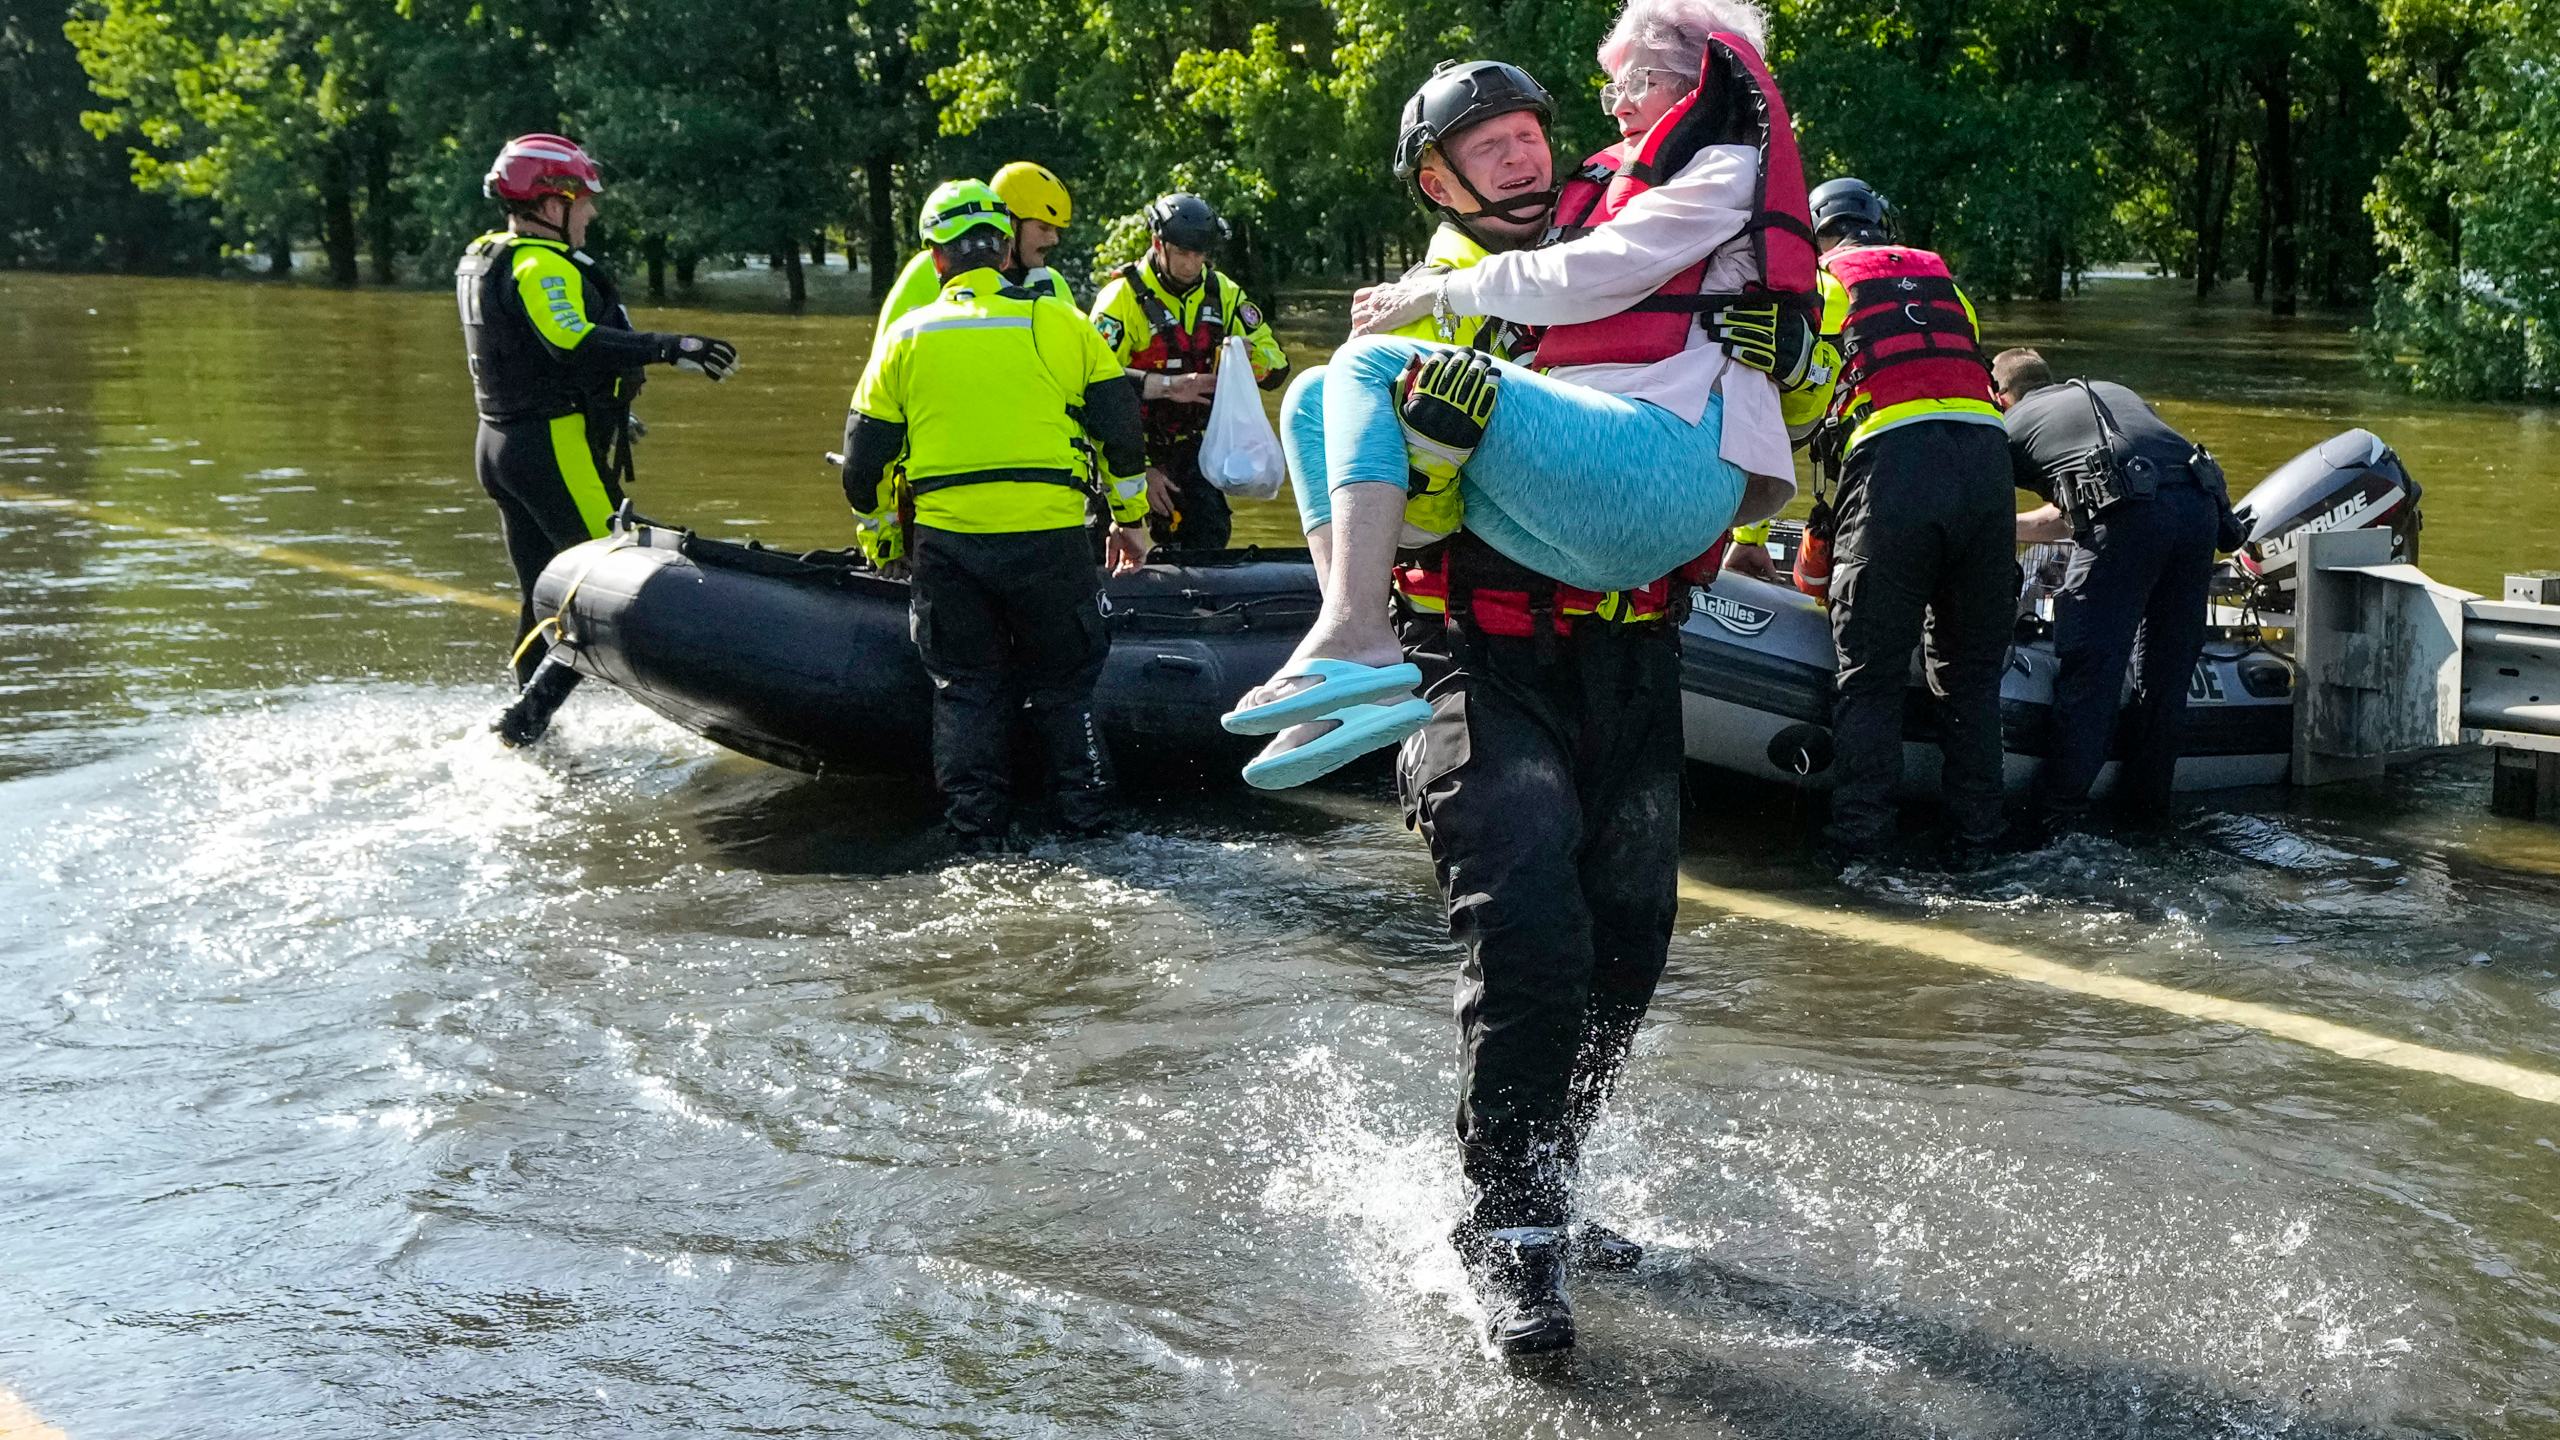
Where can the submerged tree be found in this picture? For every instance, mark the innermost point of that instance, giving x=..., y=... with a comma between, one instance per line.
x=2466, y=211
x=273, y=109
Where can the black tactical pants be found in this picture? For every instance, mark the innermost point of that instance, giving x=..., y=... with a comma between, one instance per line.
x=1926, y=550
x=1008, y=624
x=1548, y=788
x=539, y=472
x=2148, y=568
x=1201, y=518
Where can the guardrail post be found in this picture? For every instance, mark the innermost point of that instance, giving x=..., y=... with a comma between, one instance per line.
x=2511, y=688
x=2535, y=587
x=2525, y=785
x=2379, y=649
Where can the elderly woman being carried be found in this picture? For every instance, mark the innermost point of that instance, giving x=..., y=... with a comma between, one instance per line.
x=1627, y=451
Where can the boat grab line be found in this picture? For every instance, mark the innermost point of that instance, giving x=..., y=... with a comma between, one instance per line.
x=1991, y=957
x=106, y=514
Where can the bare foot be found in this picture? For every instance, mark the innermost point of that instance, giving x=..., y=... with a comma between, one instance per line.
x=1295, y=736
x=1378, y=649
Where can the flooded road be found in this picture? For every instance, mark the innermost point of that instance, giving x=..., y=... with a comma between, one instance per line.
x=360, y=1078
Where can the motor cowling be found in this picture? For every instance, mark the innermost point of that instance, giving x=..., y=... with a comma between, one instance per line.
x=2347, y=482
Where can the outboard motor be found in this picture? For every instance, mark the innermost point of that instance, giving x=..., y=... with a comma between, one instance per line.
x=2348, y=482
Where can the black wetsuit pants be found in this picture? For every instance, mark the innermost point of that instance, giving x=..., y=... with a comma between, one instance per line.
x=1202, y=518
x=1009, y=624
x=2148, y=568
x=552, y=493
x=1548, y=788
x=1926, y=549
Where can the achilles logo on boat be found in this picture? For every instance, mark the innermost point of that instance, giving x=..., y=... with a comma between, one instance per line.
x=1735, y=616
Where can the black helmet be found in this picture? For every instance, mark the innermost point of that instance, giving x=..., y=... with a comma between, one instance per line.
x=1460, y=94
x=1185, y=221
x=1849, y=209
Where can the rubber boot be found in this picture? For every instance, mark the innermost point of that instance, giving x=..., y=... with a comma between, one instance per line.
x=1079, y=767
x=1594, y=1246
x=1518, y=1276
x=529, y=716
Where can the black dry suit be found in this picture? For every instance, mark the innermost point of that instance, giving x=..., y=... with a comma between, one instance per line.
x=554, y=366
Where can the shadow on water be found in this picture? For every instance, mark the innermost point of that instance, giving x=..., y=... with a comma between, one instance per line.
x=1643, y=1369
x=872, y=826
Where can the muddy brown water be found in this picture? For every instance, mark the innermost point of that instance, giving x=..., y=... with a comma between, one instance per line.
x=359, y=1078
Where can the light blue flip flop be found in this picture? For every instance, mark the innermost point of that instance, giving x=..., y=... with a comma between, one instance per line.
x=1357, y=730
x=1339, y=683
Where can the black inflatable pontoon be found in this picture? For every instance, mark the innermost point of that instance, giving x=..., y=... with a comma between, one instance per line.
x=804, y=660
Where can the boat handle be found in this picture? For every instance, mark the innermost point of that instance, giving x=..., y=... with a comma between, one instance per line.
x=1184, y=663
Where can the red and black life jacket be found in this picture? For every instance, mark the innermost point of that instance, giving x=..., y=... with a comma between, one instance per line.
x=1474, y=585
x=1175, y=350
x=1736, y=103
x=1908, y=336
x=1170, y=347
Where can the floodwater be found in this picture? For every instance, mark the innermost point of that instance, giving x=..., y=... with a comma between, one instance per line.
x=358, y=1078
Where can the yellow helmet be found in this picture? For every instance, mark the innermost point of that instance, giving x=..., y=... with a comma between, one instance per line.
x=1032, y=193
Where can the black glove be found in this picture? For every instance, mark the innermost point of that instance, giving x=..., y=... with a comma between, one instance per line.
x=1772, y=338
x=701, y=354
x=1446, y=404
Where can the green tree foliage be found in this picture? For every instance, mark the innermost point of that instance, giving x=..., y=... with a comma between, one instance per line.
x=2303, y=144
x=65, y=199
x=730, y=119
x=272, y=109
x=2467, y=210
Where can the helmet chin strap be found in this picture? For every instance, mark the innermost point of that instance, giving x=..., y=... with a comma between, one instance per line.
x=1535, y=205
x=1164, y=271
x=559, y=232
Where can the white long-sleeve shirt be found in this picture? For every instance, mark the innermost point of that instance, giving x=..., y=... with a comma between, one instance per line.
x=1697, y=214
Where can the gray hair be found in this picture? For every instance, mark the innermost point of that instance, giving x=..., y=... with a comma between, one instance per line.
x=1677, y=31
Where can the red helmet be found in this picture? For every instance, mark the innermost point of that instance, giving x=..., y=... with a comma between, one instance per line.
x=533, y=166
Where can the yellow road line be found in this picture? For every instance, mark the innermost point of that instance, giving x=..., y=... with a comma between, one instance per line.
x=1990, y=957
x=17, y=1422
x=106, y=514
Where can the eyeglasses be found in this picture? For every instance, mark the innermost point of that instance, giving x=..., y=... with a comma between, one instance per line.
x=1640, y=85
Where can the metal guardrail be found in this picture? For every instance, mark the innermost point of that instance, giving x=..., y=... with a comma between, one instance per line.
x=2393, y=664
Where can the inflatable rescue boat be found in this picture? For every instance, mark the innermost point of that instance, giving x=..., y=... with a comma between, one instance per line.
x=803, y=660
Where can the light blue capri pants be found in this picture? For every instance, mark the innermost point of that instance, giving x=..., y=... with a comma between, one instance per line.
x=1593, y=489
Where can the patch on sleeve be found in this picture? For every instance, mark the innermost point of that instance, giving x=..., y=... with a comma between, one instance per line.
x=1249, y=315
x=1111, y=329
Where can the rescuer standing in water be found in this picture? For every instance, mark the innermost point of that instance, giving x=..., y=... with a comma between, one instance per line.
x=554, y=367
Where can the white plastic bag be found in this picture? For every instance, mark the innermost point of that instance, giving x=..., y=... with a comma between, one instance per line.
x=1241, y=452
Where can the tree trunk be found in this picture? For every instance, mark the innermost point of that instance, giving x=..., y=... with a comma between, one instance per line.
x=338, y=217
x=882, y=245
x=2208, y=252
x=2275, y=91
x=818, y=250
x=279, y=254
x=2258, y=256
x=377, y=199
x=2340, y=214
x=655, y=249
x=2049, y=275
x=797, y=278
x=685, y=264
x=2214, y=238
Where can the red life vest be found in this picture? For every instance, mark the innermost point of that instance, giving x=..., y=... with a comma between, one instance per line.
x=1174, y=350
x=1908, y=336
x=1171, y=348
x=1736, y=103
